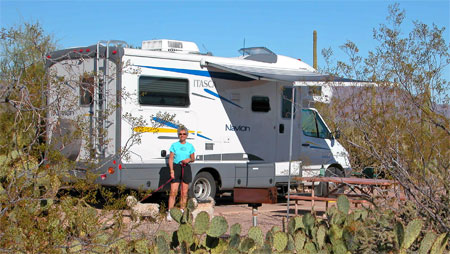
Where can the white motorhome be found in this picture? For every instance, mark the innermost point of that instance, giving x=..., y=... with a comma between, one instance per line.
x=237, y=110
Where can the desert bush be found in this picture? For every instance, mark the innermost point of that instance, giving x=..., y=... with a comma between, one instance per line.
x=399, y=123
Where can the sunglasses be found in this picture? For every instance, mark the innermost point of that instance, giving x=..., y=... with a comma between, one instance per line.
x=182, y=134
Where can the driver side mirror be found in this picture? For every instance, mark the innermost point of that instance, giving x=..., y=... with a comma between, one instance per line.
x=337, y=134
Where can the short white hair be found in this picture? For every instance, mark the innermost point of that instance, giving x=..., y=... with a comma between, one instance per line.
x=182, y=128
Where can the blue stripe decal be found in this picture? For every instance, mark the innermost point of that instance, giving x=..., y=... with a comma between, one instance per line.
x=185, y=71
x=159, y=120
x=318, y=147
x=221, y=97
x=209, y=74
x=200, y=135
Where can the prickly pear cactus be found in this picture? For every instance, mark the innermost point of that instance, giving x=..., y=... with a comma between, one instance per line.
x=218, y=226
x=299, y=240
x=141, y=246
x=190, y=205
x=440, y=244
x=280, y=240
x=308, y=222
x=343, y=204
x=164, y=234
x=335, y=234
x=290, y=244
x=235, y=240
x=269, y=237
x=187, y=217
x=256, y=234
x=235, y=229
x=339, y=247
x=185, y=234
x=201, y=223
x=232, y=251
x=161, y=245
x=320, y=236
x=399, y=231
x=246, y=245
x=176, y=214
x=338, y=218
x=220, y=248
x=275, y=229
x=412, y=231
x=310, y=247
x=265, y=249
x=427, y=242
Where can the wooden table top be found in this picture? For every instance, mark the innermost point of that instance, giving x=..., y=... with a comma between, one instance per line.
x=347, y=180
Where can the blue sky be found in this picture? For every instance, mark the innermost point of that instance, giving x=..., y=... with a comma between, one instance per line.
x=285, y=27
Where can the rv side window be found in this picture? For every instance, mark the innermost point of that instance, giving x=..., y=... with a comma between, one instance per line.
x=260, y=104
x=163, y=91
x=86, y=91
x=313, y=126
x=286, y=103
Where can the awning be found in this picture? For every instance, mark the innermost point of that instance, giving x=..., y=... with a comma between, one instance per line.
x=278, y=74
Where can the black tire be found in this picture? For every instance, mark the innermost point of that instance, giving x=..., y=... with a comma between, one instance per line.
x=203, y=186
x=322, y=189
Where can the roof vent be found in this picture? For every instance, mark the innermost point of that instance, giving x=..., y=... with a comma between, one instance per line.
x=171, y=46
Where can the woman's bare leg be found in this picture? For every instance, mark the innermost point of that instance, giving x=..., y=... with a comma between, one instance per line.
x=184, y=194
x=173, y=194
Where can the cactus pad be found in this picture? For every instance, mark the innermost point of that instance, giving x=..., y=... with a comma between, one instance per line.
x=275, y=229
x=290, y=244
x=399, y=231
x=141, y=246
x=190, y=205
x=269, y=237
x=235, y=229
x=256, y=234
x=176, y=214
x=235, y=240
x=412, y=231
x=299, y=241
x=339, y=248
x=280, y=240
x=335, y=234
x=440, y=243
x=427, y=242
x=310, y=247
x=343, y=204
x=201, y=223
x=161, y=245
x=321, y=232
x=308, y=220
x=246, y=245
x=185, y=234
x=218, y=226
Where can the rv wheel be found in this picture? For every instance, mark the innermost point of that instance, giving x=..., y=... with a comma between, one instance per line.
x=203, y=186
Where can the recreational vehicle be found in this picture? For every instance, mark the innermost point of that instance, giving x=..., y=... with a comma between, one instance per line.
x=238, y=111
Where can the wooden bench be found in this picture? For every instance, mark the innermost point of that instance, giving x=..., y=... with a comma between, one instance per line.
x=297, y=197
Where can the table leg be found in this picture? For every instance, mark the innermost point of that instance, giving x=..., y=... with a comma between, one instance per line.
x=312, y=196
x=296, y=203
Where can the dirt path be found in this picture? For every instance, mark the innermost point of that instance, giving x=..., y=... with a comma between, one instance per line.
x=268, y=215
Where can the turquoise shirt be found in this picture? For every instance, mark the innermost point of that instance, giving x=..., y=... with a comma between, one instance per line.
x=181, y=151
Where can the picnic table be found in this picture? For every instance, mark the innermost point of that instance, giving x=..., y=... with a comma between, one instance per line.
x=359, y=190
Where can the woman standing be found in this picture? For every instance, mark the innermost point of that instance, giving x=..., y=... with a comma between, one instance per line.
x=181, y=154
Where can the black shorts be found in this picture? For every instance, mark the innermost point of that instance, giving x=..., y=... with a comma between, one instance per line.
x=185, y=176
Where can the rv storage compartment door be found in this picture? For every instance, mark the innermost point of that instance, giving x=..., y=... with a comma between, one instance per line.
x=241, y=176
x=261, y=175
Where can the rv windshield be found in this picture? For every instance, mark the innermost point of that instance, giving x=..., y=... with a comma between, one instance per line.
x=313, y=126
